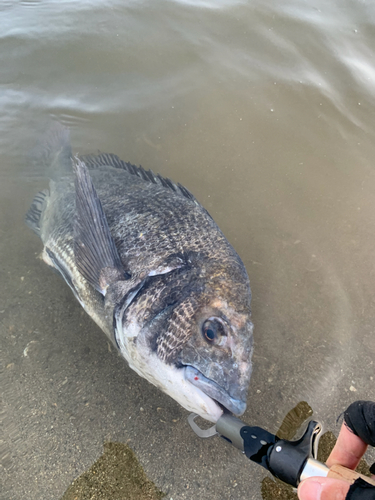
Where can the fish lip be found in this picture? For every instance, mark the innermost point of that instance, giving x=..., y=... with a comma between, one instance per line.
x=214, y=391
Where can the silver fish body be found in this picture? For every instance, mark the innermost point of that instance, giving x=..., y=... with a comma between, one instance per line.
x=151, y=267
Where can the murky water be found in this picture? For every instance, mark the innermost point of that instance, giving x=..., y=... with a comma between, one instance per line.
x=266, y=112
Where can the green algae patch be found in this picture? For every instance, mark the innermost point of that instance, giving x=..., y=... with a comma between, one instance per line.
x=293, y=420
x=116, y=475
x=273, y=489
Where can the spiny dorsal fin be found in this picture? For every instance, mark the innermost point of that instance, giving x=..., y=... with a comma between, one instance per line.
x=95, y=252
x=104, y=159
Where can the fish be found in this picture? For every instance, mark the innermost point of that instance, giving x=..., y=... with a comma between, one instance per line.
x=149, y=265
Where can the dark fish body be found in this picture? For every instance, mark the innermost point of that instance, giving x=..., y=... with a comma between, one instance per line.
x=151, y=267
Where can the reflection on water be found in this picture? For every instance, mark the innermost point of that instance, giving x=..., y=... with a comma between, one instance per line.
x=265, y=111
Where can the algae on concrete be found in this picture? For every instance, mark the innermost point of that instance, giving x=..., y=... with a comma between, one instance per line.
x=116, y=475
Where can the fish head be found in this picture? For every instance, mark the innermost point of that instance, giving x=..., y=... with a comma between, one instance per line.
x=190, y=333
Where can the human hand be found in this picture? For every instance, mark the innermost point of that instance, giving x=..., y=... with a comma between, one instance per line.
x=357, y=430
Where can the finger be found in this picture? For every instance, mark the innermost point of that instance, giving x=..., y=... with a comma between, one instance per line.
x=348, y=449
x=323, y=488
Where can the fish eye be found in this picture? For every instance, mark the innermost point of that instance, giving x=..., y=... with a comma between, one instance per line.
x=213, y=331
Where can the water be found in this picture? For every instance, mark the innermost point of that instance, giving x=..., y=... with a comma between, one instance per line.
x=265, y=111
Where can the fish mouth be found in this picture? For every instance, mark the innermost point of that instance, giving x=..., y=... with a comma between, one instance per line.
x=214, y=391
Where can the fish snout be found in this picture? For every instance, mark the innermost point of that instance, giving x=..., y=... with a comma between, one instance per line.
x=226, y=389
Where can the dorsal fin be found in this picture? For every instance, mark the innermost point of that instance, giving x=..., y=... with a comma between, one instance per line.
x=105, y=159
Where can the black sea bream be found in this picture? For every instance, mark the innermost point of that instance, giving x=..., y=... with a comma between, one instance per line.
x=150, y=266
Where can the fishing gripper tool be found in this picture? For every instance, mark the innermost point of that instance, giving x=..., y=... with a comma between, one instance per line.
x=289, y=461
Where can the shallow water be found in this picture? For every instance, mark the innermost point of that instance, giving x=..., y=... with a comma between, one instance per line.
x=265, y=111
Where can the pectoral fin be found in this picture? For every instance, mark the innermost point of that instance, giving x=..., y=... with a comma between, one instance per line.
x=95, y=252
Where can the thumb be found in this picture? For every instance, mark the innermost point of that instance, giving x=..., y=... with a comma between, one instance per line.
x=323, y=488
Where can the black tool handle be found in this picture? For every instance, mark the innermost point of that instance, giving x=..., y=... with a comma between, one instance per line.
x=284, y=459
x=287, y=459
